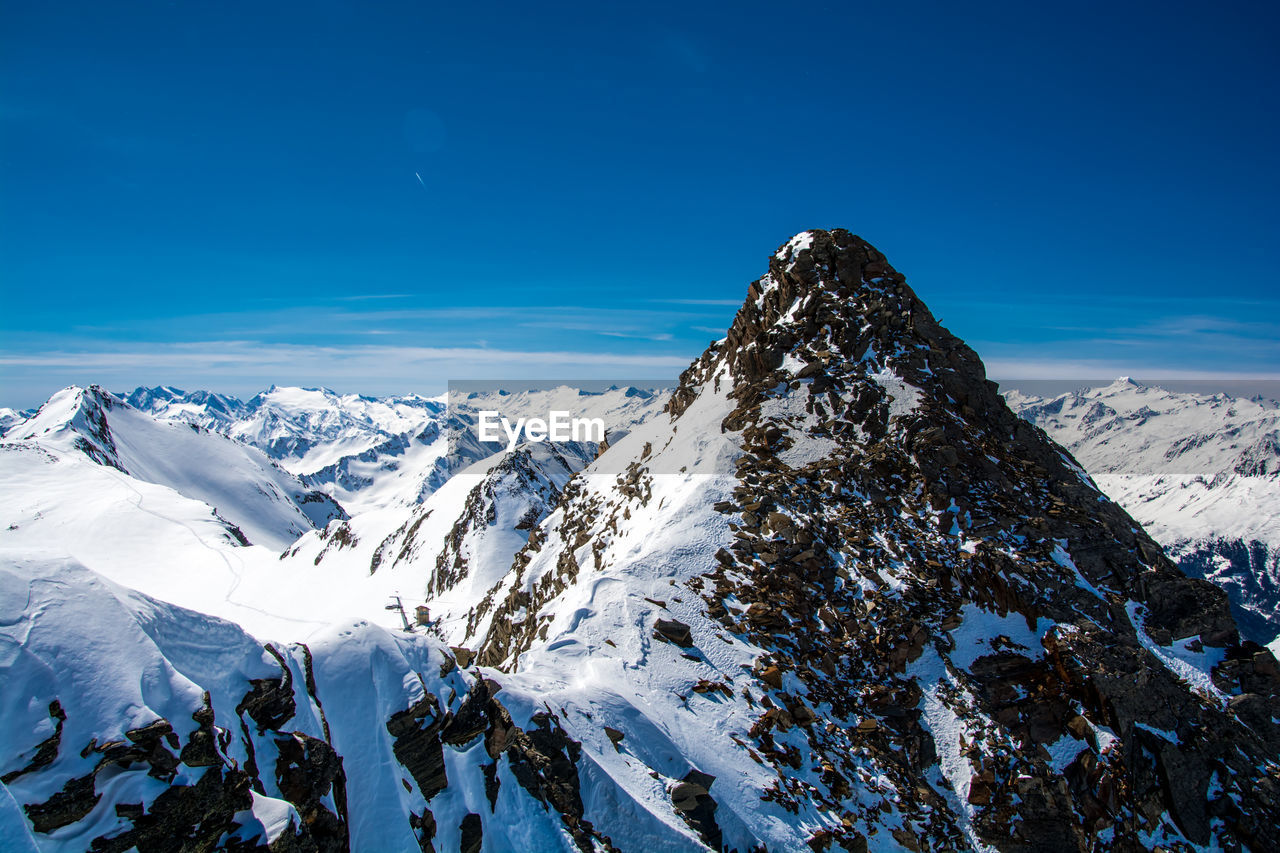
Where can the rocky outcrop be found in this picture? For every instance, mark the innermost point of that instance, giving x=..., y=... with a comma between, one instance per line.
x=517, y=494
x=307, y=771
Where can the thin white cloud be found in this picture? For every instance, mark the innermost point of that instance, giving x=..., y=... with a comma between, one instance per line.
x=731, y=303
x=243, y=367
x=1049, y=368
x=658, y=336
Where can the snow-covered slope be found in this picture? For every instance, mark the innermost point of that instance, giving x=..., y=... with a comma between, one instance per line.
x=148, y=537
x=133, y=724
x=1200, y=472
x=8, y=418
x=270, y=506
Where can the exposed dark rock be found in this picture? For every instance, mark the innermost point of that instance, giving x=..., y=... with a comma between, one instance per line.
x=270, y=702
x=201, y=748
x=307, y=770
x=472, y=834
x=673, y=631
x=417, y=744
x=693, y=802
x=76, y=799
x=544, y=763
x=492, y=784
x=471, y=718
x=47, y=750
x=192, y=817
x=424, y=828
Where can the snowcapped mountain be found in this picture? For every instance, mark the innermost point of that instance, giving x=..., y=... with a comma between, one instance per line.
x=1200, y=472
x=374, y=452
x=265, y=503
x=9, y=417
x=907, y=617
x=365, y=452
x=309, y=428
x=836, y=595
x=204, y=408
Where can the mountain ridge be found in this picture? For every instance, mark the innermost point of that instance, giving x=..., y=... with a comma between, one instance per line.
x=251, y=492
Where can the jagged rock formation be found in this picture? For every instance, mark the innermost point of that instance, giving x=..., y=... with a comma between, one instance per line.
x=183, y=733
x=512, y=499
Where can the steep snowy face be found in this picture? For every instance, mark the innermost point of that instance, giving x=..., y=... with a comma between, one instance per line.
x=842, y=594
x=1200, y=472
x=132, y=724
x=267, y=504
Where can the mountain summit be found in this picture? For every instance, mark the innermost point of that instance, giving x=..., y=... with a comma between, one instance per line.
x=908, y=612
x=836, y=596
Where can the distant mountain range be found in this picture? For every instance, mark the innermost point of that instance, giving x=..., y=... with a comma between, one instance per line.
x=829, y=593
x=1200, y=472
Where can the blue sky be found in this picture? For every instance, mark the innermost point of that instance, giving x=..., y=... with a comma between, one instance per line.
x=381, y=197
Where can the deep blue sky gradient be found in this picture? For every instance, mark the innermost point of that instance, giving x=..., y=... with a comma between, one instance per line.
x=224, y=195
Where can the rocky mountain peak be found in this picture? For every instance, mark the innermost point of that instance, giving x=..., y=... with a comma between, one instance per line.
x=933, y=594
x=831, y=301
